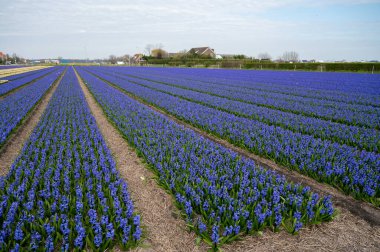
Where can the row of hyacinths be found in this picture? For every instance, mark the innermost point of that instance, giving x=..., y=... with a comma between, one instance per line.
x=205, y=94
x=14, y=107
x=24, y=74
x=350, y=169
x=349, y=88
x=63, y=192
x=222, y=195
x=367, y=115
x=24, y=79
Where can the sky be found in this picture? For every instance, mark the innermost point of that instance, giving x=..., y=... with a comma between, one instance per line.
x=321, y=30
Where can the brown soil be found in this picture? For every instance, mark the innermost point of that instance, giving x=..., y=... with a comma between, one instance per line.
x=346, y=233
x=165, y=230
x=356, y=228
x=12, y=148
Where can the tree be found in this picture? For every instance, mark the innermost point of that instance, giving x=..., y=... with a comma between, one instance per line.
x=8, y=59
x=159, y=53
x=112, y=59
x=126, y=58
x=148, y=48
x=159, y=46
x=15, y=58
x=264, y=56
x=239, y=56
x=290, y=56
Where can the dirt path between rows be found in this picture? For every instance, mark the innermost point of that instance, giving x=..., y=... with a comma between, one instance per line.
x=15, y=143
x=355, y=229
x=165, y=230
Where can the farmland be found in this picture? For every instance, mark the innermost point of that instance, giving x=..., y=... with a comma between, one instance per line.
x=340, y=154
x=6, y=71
x=189, y=127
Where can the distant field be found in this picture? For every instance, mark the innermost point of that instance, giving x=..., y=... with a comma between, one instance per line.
x=10, y=66
x=9, y=71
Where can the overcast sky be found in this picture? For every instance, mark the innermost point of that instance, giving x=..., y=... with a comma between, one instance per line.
x=322, y=29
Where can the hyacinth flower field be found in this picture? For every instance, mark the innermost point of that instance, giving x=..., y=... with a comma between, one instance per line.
x=66, y=191
x=24, y=78
x=16, y=106
x=350, y=168
x=63, y=191
x=221, y=194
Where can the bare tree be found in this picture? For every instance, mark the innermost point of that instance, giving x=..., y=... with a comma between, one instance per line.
x=112, y=59
x=290, y=56
x=126, y=58
x=264, y=56
x=15, y=58
x=148, y=48
x=181, y=54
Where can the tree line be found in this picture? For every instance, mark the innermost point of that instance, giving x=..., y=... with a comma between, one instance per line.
x=6, y=59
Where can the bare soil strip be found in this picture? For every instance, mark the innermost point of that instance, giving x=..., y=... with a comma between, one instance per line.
x=16, y=141
x=165, y=229
x=345, y=233
x=361, y=209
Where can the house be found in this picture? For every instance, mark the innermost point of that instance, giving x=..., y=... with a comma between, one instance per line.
x=137, y=58
x=203, y=51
